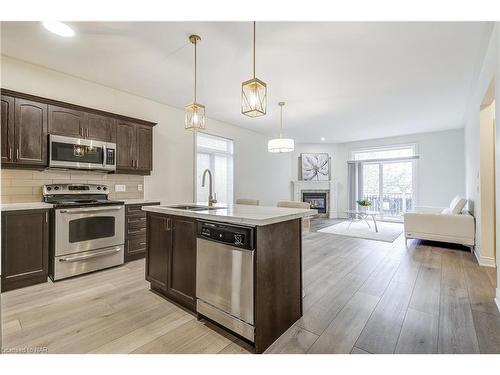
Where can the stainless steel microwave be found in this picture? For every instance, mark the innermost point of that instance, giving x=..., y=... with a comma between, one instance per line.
x=77, y=153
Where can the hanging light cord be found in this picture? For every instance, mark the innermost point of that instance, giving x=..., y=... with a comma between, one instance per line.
x=195, y=71
x=281, y=121
x=254, y=49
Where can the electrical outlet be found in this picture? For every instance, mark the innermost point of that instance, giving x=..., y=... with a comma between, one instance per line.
x=120, y=188
x=139, y=187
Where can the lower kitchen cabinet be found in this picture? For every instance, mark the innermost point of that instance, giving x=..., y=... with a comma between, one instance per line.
x=25, y=243
x=171, y=258
x=135, y=231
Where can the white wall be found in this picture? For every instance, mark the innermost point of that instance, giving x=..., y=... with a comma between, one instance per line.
x=489, y=70
x=440, y=169
x=258, y=174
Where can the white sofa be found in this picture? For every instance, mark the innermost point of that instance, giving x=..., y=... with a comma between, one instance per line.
x=453, y=224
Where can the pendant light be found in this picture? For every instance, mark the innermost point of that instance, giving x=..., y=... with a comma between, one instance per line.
x=253, y=92
x=281, y=144
x=195, y=112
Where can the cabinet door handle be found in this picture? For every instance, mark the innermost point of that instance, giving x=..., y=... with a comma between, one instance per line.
x=17, y=154
x=10, y=153
x=46, y=217
x=167, y=224
x=88, y=132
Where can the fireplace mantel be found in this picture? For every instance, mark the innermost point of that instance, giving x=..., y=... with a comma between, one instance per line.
x=298, y=186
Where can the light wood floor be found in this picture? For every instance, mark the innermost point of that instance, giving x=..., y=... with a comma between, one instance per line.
x=361, y=297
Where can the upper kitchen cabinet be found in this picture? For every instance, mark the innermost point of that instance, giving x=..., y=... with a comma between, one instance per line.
x=7, y=112
x=134, y=147
x=144, y=148
x=125, y=144
x=27, y=119
x=100, y=128
x=24, y=132
x=30, y=132
x=67, y=122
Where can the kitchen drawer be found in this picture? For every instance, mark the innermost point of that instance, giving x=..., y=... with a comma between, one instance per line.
x=135, y=231
x=135, y=210
x=136, y=244
x=136, y=221
x=141, y=231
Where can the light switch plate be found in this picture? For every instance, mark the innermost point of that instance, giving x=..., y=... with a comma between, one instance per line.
x=139, y=187
x=120, y=188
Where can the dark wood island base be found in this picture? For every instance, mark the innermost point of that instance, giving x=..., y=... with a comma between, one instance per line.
x=171, y=270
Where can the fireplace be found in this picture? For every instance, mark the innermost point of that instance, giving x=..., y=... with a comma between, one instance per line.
x=318, y=200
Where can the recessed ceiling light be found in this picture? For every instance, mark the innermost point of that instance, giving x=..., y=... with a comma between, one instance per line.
x=59, y=28
x=323, y=138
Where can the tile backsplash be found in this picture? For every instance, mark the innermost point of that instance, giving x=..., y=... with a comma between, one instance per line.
x=26, y=186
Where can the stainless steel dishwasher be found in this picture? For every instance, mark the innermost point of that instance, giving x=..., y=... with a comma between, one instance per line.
x=225, y=276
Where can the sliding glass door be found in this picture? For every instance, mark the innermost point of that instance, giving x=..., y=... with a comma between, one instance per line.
x=389, y=186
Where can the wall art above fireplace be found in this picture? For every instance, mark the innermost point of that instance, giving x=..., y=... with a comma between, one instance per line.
x=314, y=167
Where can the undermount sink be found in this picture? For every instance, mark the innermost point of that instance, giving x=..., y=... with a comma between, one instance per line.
x=193, y=207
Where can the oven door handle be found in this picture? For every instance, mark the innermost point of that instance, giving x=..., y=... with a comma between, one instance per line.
x=85, y=257
x=83, y=210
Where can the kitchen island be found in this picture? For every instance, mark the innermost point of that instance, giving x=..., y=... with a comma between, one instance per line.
x=238, y=266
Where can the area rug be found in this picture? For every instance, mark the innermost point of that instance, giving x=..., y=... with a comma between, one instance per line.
x=387, y=232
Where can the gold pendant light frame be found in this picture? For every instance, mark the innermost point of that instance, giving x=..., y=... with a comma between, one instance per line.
x=254, y=92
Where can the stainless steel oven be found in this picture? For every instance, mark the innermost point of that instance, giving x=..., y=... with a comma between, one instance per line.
x=88, y=239
x=77, y=153
x=88, y=229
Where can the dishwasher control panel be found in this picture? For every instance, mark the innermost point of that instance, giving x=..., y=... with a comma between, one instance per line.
x=233, y=235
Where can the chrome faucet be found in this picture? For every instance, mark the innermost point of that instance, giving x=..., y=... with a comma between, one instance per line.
x=211, y=199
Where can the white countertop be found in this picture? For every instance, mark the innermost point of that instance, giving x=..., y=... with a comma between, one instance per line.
x=137, y=201
x=24, y=206
x=238, y=214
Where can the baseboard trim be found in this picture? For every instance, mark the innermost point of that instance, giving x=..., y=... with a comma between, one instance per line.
x=484, y=261
x=497, y=299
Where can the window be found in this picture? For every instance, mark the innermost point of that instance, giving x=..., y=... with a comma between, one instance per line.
x=385, y=176
x=216, y=154
x=392, y=152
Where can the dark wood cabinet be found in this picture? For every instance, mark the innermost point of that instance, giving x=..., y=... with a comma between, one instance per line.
x=24, y=257
x=144, y=148
x=125, y=146
x=7, y=113
x=67, y=122
x=24, y=133
x=30, y=132
x=135, y=231
x=181, y=281
x=27, y=119
x=134, y=147
x=171, y=257
x=99, y=127
x=159, y=238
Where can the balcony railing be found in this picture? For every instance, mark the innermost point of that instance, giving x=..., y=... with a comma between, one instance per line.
x=391, y=205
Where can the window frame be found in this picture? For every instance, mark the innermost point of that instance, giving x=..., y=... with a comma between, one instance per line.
x=413, y=146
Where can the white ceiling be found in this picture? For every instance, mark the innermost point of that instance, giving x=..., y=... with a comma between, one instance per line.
x=343, y=81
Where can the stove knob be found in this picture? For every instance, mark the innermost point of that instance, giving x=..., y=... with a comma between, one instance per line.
x=49, y=188
x=104, y=188
x=56, y=188
x=98, y=188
